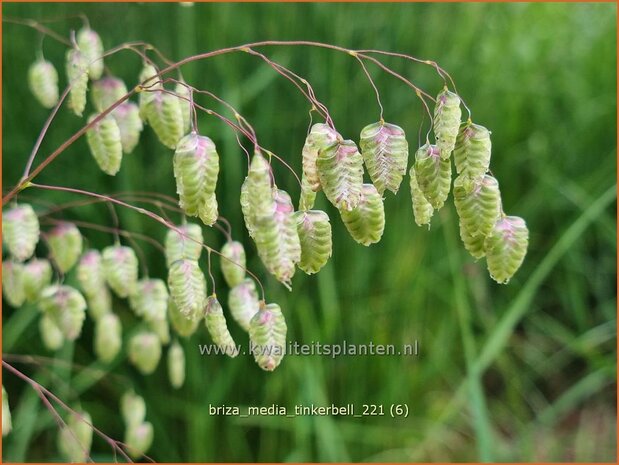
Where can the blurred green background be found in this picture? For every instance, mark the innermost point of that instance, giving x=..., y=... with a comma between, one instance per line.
x=520, y=372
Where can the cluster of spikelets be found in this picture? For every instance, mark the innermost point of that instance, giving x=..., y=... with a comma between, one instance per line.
x=182, y=302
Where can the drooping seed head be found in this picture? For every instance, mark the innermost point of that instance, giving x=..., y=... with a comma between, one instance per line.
x=176, y=365
x=385, y=153
x=447, y=115
x=91, y=46
x=13, y=283
x=243, y=302
x=66, y=307
x=90, y=273
x=340, y=169
x=52, y=337
x=127, y=116
x=196, y=168
x=233, y=263
x=217, y=327
x=433, y=175
x=366, y=222
x=187, y=287
x=506, y=247
x=108, y=337
x=320, y=136
x=37, y=274
x=422, y=210
x=145, y=351
x=43, y=82
x=149, y=299
x=138, y=439
x=132, y=408
x=105, y=144
x=479, y=206
x=314, y=230
x=267, y=336
x=184, y=245
x=75, y=437
x=256, y=193
x=65, y=245
x=308, y=196
x=120, y=267
x=148, y=79
x=107, y=91
x=77, y=65
x=473, y=151
x=183, y=326
x=99, y=303
x=277, y=239
x=20, y=231
x=164, y=114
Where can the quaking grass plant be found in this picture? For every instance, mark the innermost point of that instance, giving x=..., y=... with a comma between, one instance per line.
x=285, y=238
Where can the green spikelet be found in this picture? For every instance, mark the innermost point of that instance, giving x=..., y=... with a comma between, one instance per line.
x=75, y=438
x=132, y=408
x=120, y=267
x=162, y=329
x=422, y=210
x=138, y=439
x=256, y=193
x=473, y=150
x=20, y=231
x=108, y=337
x=52, y=337
x=340, y=169
x=36, y=276
x=215, y=322
x=277, y=239
x=91, y=46
x=314, y=230
x=320, y=136
x=267, y=336
x=65, y=245
x=107, y=91
x=164, y=114
x=447, y=115
x=145, y=351
x=13, y=283
x=366, y=223
x=183, y=326
x=184, y=245
x=385, y=153
x=43, y=82
x=105, y=144
x=196, y=167
x=145, y=96
x=506, y=247
x=308, y=196
x=243, y=302
x=433, y=175
x=233, y=268
x=176, y=365
x=187, y=287
x=184, y=99
x=127, y=116
x=478, y=206
x=66, y=307
x=77, y=76
x=99, y=303
x=7, y=424
x=149, y=300
x=90, y=273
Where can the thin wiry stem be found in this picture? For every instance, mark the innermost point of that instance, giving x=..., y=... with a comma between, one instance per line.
x=45, y=393
x=367, y=73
